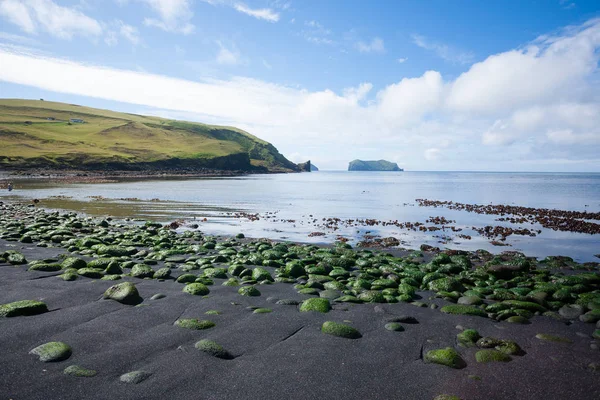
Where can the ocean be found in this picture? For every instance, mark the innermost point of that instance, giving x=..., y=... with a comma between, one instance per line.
x=322, y=207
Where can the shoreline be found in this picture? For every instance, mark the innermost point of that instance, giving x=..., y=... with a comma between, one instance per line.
x=405, y=305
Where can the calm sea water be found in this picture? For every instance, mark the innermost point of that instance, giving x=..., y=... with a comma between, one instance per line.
x=291, y=206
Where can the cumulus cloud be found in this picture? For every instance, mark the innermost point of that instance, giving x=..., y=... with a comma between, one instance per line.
x=35, y=16
x=520, y=109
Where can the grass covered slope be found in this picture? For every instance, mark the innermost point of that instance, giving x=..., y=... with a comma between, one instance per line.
x=37, y=133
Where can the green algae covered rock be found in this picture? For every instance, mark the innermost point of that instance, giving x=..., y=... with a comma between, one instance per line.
x=249, y=291
x=316, y=304
x=446, y=285
x=261, y=274
x=526, y=305
x=80, y=372
x=15, y=258
x=197, y=289
x=142, y=271
x=162, y=273
x=340, y=330
x=73, y=262
x=52, y=351
x=193, y=323
x=125, y=293
x=446, y=397
x=510, y=347
x=114, y=251
x=458, y=309
x=22, y=307
x=553, y=338
x=213, y=348
x=186, y=278
x=262, y=310
x=135, y=377
x=371, y=296
x=43, y=267
x=518, y=319
x=448, y=357
x=468, y=337
x=394, y=326
x=488, y=355
x=90, y=273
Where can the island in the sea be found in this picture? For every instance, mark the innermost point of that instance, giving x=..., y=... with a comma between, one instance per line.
x=379, y=165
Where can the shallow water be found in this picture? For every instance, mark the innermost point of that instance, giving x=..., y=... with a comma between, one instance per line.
x=299, y=202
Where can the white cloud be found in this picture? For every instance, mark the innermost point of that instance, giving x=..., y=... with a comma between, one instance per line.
x=33, y=16
x=315, y=32
x=260, y=13
x=111, y=38
x=227, y=56
x=402, y=60
x=374, y=46
x=174, y=15
x=266, y=64
x=443, y=51
x=493, y=116
x=129, y=32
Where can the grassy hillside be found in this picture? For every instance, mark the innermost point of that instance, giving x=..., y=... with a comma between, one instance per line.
x=37, y=133
x=379, y=165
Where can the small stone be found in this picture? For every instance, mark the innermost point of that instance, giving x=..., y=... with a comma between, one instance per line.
x=570, y=311
x=340, y=330
x=135, y=377
x=158, y=296
x=249, y=291
x=262, y=310
x=52, y=351
x=470, y=301
x=517, y=319
x=196, y=289
x=193, y=323
x=288, y=302
x=446, y=397
x=405, y=319
x=315, y=304
x=213, y=348
x=125, y=293
x=488, y=355
x=552, y=338
x=448, y=357
x=594, y=367
x=458, y=309
x=23, y=307
x=394, y=326
x=76, y=370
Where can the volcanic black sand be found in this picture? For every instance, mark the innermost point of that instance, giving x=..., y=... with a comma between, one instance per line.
x=283, y=353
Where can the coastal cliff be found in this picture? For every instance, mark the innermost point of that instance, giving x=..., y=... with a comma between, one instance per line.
x=380, y=165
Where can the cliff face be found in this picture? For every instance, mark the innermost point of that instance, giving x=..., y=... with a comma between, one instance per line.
x=44, y=134
x=380, y=165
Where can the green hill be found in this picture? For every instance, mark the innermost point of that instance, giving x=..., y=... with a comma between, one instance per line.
x=37, y=133
x=380, y=165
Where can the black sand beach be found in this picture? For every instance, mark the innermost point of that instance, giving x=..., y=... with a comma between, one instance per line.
x=278, y=354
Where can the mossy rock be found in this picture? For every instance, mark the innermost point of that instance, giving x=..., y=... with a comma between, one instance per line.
x=68, y=276
x=186, y=278
x=74, y=262
x=488, y=342
x=347, y=299
x=591, y=316
x=142, y=271
x=340, y=330
x=469, y=300
x=448, y=357
x=518, y=319
x=330, y=294
x=215, y=273
x=553, y=338
x=458, y=309
x=231, y=282
x=90, y=273
x=80, y=372
x=446, y=285
x=596, y=334
x=489, y=355
x=111, y=278
x=261, y=274
x=262, y=310
x=15, y=258
x=287, y=302
x=371, y=296
x=100, y=263
x=196, y=289
x=125, y=293
x=52, y=351
x=526, y=305
x=510, y=347
x=394, y=326
x=162, y=273
x=43, y=267
x=113, y=268
x=135, y=377
x=316, y=304
x=468, y=337
x=446, y=397
x=309, y=291
x=213, y=348
x=249, y=291
x=213, y=312
x=193, y=323
x=23, y=308
x=114, y=251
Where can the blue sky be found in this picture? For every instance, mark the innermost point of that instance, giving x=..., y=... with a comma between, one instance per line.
x=432, y=85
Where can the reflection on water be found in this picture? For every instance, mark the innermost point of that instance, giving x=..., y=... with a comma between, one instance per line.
x=291, y=206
